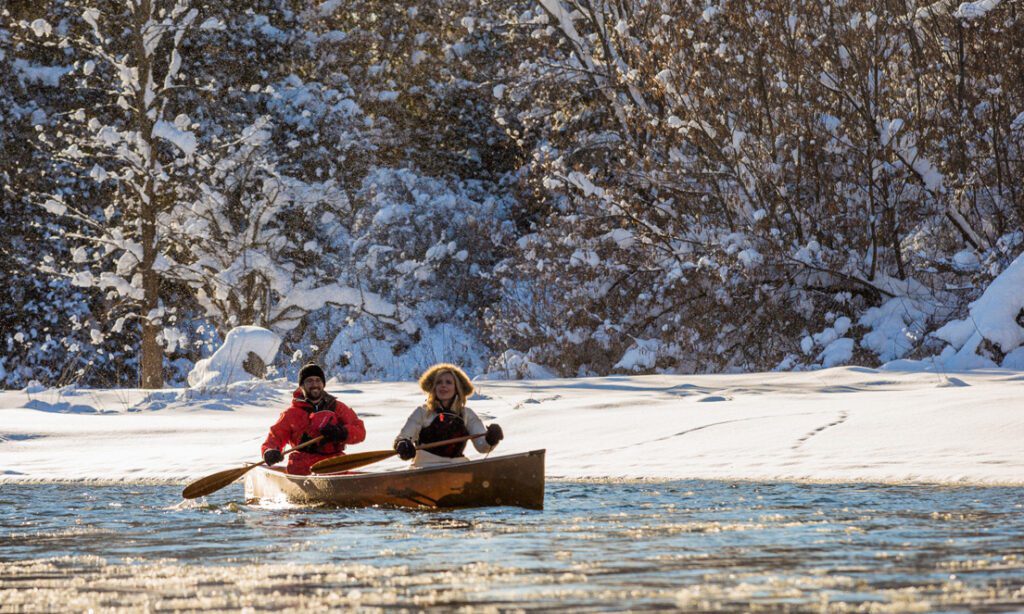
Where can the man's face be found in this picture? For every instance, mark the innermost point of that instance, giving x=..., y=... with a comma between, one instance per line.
x=313, y=387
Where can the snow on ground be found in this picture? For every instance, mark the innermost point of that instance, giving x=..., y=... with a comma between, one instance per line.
x=841, y=424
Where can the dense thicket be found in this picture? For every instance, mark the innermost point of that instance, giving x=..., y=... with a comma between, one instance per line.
x=523, y=187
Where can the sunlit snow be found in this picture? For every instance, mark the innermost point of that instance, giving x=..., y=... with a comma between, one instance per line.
x=841, y=424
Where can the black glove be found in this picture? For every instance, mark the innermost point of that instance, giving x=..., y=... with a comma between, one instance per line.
x=272, y=456
x=494, y=435
x=405, y=449
x=334, y=432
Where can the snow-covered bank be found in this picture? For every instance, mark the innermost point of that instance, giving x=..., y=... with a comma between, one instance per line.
x=842, y=424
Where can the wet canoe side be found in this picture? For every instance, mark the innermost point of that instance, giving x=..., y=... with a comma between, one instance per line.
x=516, y=479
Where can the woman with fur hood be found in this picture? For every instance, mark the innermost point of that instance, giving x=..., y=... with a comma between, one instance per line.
x=444, y=415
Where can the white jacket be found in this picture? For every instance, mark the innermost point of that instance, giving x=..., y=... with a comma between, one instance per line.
x=421, y=417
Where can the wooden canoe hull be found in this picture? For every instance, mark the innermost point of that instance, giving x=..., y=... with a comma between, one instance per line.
x=516, y=479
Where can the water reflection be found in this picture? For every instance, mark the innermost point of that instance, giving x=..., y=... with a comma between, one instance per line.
x=597, y=546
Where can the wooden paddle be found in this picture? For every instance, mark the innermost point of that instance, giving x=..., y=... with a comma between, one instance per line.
x=215, y=481
x=361, y=459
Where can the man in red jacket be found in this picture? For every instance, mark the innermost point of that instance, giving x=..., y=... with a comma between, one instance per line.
x=313, y=412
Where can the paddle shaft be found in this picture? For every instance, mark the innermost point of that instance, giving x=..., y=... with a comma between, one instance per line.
x=300, y=446
x=290, y=450
x=361, y=459
x=438, y=444
x=215, y=481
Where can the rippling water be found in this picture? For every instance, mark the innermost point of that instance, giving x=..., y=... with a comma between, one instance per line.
x=596, y=547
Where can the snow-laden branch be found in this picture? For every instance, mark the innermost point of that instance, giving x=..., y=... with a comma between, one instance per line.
x=583, y=52
x=969, y=11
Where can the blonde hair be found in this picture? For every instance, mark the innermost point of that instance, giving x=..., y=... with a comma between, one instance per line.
x=463, y=387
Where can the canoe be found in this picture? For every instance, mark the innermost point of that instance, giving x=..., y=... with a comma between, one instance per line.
x=515, y=479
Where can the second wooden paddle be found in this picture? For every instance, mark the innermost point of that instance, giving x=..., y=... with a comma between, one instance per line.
x=361, y=459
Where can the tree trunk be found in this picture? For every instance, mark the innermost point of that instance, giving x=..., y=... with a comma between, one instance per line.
x=152, y=371
x=152, y=353
x=152, y=359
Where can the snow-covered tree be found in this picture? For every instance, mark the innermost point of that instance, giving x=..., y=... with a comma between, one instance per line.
x=426, y=196
x=137, y=143
x=47, y=329
x=563, y=186
x=202, y=206
x=426, y=245
x=262, y=244
x=749, y=184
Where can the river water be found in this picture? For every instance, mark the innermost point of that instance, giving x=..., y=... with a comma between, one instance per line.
x=597, y=546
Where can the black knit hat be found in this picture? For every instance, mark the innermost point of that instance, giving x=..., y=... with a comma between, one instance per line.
x=309, y=371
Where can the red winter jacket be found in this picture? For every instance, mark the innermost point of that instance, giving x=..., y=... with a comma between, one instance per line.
x=302, y=421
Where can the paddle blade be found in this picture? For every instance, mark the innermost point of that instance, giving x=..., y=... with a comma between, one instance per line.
x=214, y=482
x=351, y=461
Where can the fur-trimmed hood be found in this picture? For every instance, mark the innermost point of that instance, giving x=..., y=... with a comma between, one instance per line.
x=430, y=375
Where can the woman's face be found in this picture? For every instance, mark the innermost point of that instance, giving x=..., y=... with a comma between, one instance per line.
x=444, y=387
